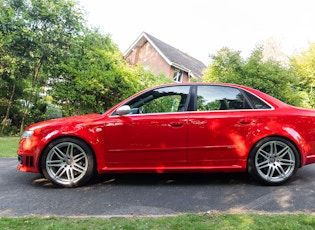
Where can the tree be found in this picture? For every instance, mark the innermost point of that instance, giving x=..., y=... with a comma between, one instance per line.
x=303, y=65
x=226, y=67
x=47, y=42
x=94, y=77
x=148, y=79
x=13, y=66
x=267, y=76
x=271, y=77
x=98, y=72
x=35, y=34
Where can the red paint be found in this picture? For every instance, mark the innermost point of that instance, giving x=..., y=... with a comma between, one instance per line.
x=187, y=141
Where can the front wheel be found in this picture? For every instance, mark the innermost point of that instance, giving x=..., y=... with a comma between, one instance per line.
x=68, y=162
x=273, y=160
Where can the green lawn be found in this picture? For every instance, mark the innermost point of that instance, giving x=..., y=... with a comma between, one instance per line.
x=182, y=222
x=8, y=146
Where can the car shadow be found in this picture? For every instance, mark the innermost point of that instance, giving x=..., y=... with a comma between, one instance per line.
x=172, y=179
x=302, y=176
x=156, y=179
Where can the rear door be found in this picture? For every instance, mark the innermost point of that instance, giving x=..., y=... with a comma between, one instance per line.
x=218, y=129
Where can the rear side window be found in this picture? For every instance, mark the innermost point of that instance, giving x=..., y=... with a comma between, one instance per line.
x=256, y=102
x=213, y=97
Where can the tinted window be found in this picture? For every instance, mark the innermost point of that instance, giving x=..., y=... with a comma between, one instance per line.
x=161, y=100
x=220, y=98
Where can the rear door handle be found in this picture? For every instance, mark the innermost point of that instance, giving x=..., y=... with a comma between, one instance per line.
x=245, y=122
x=176, y=124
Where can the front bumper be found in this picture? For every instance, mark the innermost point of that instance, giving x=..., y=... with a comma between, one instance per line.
x=26, y=164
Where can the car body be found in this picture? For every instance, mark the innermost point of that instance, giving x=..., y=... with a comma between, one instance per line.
x=187, y=127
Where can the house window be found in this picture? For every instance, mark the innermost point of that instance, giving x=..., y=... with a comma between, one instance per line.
x=178, y=75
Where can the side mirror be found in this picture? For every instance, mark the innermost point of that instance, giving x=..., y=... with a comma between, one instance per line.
x=123, y=110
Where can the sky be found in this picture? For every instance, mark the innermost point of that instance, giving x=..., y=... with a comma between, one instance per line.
x=202, y=27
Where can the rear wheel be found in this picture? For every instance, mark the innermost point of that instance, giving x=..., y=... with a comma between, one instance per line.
x=273, y=160
x=68, y=162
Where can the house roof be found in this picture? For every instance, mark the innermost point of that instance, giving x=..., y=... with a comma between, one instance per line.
x=171, y=55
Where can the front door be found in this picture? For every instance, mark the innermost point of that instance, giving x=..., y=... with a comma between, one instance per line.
x=153, y=135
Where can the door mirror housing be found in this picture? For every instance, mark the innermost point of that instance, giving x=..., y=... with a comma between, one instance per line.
x=123, y=110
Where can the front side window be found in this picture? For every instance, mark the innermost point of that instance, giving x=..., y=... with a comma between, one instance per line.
x=162, y=100
x=220, y=98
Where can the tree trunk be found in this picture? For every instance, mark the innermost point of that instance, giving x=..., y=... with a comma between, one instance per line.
x=34, y=83
x=4, y=123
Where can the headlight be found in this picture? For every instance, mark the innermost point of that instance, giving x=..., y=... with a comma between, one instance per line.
x=27, y=134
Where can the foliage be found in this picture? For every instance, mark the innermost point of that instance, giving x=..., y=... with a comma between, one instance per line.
x=43, y=110
x=303, y=66
x=164, y=104
x=226, y=67
x=94, y=77
x=267, y=76
x=148, y=79
x=35, y=34
x=185, y=221
x=97, y=70
x=46, y=42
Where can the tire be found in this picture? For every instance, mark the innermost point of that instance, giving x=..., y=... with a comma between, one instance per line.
x=68, y=162
x=273, y=161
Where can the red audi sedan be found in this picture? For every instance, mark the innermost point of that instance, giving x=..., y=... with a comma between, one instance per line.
x=194, y=127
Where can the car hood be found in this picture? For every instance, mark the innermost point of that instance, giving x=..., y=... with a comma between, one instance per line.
x=67, y=121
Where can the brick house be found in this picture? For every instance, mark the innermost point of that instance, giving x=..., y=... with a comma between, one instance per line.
x=160, y=57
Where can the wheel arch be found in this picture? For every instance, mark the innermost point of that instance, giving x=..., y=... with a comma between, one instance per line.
x=62, y=137
x=276, y=136
x=268, y=169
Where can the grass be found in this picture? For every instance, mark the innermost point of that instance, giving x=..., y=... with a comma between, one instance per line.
x=8, y=146
x=182, y=222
